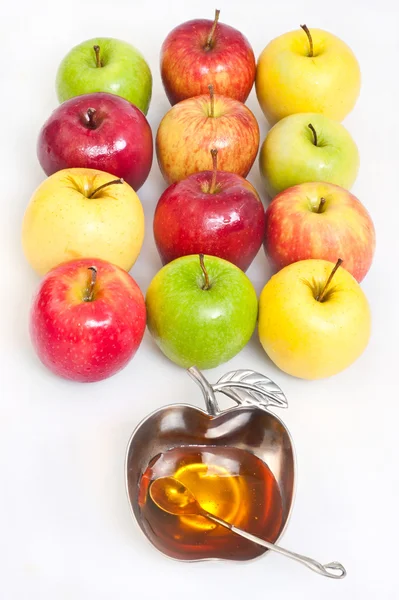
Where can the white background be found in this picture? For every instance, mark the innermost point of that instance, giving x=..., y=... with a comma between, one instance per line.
x=65, y=524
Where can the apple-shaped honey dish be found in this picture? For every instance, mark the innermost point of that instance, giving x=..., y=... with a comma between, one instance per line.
x=217, y=484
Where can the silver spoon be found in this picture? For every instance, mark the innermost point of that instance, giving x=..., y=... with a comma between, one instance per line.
x=173, y=497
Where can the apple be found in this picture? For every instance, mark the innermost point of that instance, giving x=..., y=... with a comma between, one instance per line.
x=319, y=220
x=307, y=71
x=87, y=320
x=98, y=131
x=191, y=128
x=201, y=310
x=201, y=52
x=211, y=212
x=105, y=65
x=82, y=213
x=314, y=319
x=308, y=147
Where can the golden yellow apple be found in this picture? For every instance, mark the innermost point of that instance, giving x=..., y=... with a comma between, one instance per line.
x=314, y=319
x=82, y=213
x=307, y=71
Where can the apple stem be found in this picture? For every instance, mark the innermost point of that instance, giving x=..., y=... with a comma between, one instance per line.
x=306, y=30
x=214, y=153
x=98, y=59
x=320, y=297
x=209, y=41
x=320, y=207
x=101, y=187
x=206, y=285
x=212, y=97
x=90, y=118
x=89, y=295
x=313, y=130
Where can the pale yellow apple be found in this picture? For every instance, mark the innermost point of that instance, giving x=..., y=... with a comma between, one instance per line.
x=311, y=338
x=62, y=223
x=289, y=80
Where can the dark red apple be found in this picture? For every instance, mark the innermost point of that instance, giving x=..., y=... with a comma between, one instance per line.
x=98, y=131
x=87, y=319
x=201, y=52
x=211, y=212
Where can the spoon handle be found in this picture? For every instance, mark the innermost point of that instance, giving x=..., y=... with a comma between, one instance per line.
x=333, y=569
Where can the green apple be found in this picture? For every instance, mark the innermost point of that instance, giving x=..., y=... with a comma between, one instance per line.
x=308, y=147
x=201, y=310
x=105, y=65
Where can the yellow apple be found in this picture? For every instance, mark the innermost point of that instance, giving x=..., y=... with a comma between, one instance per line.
x=307, y=71
x=314, y=319
x=68, y=219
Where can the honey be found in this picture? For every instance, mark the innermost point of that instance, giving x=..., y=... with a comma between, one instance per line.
x=230, y=483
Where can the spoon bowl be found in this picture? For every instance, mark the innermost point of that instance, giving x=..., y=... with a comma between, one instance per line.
x=173, y=497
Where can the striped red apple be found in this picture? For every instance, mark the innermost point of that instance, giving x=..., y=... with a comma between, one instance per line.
x=319, y=220
x=191, y=128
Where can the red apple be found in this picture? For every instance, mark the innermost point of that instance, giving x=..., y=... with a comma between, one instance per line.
x=321, y=221
x=191, y=128
x=98, y=131
x=87, y=320
x=212, y=212
x=201, y=52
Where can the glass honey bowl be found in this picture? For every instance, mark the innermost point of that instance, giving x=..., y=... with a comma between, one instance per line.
x=238, y=463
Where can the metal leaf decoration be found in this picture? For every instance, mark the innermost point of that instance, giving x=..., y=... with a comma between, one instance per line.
x=252, y=389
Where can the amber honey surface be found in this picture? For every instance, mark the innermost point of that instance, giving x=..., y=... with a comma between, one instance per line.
x=230, y=483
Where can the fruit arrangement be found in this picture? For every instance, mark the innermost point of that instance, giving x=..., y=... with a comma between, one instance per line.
x=83, y=228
